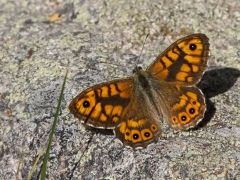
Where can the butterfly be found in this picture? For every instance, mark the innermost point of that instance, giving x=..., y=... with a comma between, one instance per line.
x=136, y=106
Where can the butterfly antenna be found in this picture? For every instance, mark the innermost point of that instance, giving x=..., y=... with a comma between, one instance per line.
x=144, y=42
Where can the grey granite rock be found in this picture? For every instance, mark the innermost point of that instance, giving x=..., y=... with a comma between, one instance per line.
x=98, y=41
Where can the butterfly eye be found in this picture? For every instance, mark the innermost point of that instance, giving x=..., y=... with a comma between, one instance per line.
x=86, y=104
x=192, y=47
x=137, y=69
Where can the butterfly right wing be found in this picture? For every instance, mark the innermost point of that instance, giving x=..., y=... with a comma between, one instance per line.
x=183, y=62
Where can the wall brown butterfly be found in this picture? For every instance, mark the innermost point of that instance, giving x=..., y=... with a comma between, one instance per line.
x=134, y=107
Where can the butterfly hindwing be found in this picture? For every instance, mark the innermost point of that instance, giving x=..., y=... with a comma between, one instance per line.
x=140, y=125
x=184, y=106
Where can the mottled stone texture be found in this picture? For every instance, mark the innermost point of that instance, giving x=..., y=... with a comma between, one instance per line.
x=99, y=41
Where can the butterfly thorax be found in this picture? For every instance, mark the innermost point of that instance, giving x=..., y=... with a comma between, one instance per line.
x=141, y=78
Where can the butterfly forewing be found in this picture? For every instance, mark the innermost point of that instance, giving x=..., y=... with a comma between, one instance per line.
x=103, y=105
x=183, y=62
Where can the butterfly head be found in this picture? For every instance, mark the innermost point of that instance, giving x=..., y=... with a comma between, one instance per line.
x=137, y=70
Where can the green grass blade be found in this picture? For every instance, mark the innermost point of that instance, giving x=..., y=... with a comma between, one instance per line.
x=44, y=167
x=35, y=164
x=19, y=164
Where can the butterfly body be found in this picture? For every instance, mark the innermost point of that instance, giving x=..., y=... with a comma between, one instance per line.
x=136, y=106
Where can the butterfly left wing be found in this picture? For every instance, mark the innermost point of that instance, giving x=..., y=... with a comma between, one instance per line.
x=140, y=125
x=114, y=105
x=103, y=105
x=183, y=62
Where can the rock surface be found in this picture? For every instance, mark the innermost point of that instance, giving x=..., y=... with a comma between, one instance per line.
x=99, y=41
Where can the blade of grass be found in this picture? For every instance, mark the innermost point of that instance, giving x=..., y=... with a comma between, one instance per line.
x=44, y=167
x=19, y=164
x=35, y=164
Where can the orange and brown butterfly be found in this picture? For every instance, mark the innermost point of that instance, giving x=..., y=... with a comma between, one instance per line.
x=135, y=107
